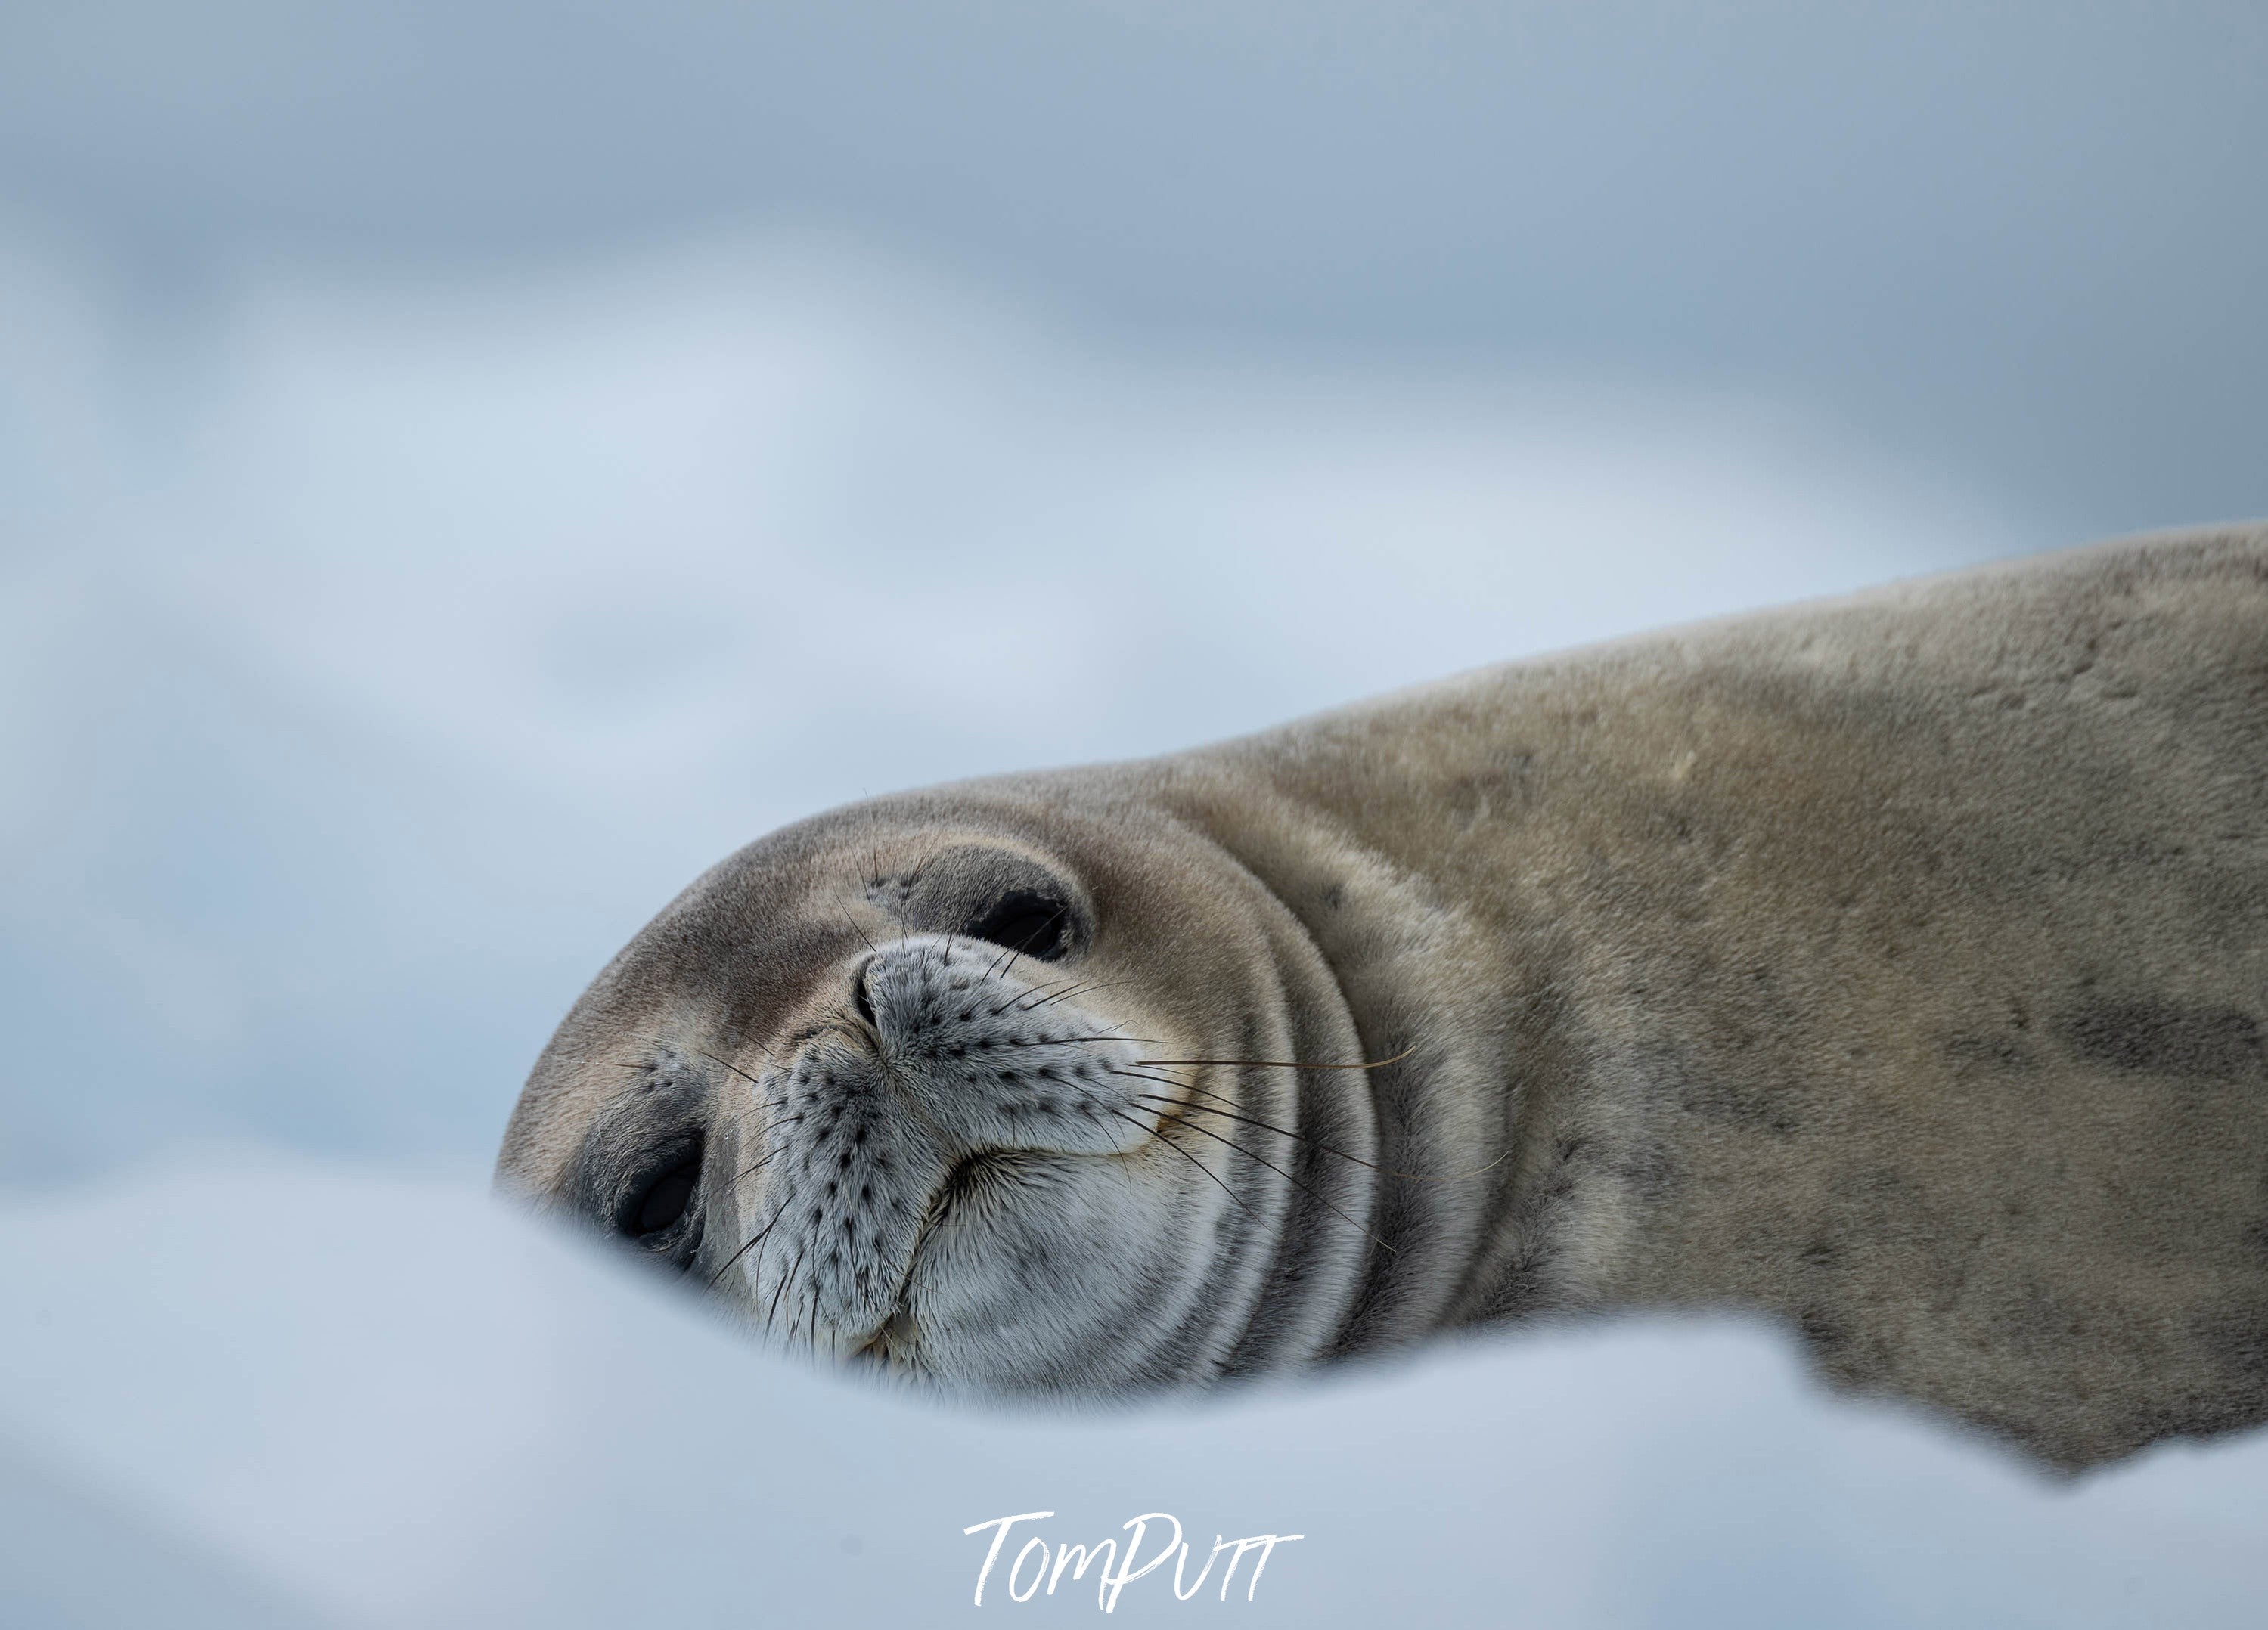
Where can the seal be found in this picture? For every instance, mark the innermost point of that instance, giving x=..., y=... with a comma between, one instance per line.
x=1896, y=967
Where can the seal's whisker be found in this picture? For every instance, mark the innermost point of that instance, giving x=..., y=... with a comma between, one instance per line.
x=742, y=1176
x=1057, y=1041
x=1155, y=1081
x=1286, y=1063
x=777, y=1213
x=743, y=1115
x=735, y=1068
x=761, y=1239
x=785, y=1120
x=929, y=858
x=1288, y=1178
x=757, y=1267
x=1325, y=1148
x=1077, y=990
x=857, y=928
x=662, y=1044
x=786, y=1279
x=1193, y=1160
x=1026, y=1005
x=1286, y=1131
x=646, y=1067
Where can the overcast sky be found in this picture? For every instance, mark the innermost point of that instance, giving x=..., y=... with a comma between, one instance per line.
x=2020, y=242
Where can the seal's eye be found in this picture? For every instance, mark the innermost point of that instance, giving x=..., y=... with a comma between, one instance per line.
x=981, y=892
x=660, y=1206
x=1026, y=921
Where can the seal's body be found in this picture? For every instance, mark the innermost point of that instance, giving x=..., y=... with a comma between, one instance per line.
x=1897, y=966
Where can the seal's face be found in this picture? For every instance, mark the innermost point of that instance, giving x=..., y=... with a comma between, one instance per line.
x=928, y=1093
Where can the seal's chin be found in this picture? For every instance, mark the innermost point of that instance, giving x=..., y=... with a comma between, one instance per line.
x=893, y=1345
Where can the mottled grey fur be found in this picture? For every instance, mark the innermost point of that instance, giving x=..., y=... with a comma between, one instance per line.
x=1896, y=966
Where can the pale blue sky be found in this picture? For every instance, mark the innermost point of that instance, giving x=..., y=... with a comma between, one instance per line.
x=2020, y=242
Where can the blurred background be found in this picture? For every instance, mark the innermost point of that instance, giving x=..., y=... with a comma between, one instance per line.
x=464, y=468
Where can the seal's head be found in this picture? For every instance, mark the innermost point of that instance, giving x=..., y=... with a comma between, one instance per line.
x=994, y=1086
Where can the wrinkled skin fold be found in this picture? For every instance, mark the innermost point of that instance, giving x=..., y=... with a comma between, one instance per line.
x=1895, y=967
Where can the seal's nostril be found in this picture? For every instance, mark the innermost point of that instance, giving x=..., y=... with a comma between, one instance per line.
x=860, y=1000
